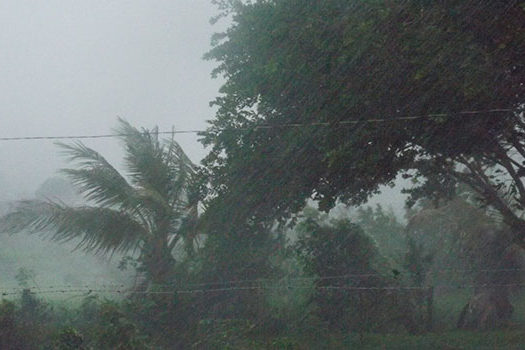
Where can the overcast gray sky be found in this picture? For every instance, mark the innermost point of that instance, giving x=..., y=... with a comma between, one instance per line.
x=72, y=66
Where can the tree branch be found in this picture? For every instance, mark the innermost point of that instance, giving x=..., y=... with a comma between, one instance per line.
x=505, y=161
x=479, y=181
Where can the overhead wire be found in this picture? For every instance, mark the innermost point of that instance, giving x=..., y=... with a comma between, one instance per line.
x=286, y=283
x=339, y=277
x=124, y=291
x=271, y=126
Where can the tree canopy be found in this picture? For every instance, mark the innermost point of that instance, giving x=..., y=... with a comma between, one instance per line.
x=328, y=100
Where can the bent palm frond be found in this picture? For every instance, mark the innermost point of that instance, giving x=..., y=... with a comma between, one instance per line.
x=100, y=230
x=97, y=179
x=156, y=165
x=176, y=160
x=144, y=158
x=100, y=182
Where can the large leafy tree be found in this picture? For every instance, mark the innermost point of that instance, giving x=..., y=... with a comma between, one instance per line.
x=306, y=82
x=147, y=211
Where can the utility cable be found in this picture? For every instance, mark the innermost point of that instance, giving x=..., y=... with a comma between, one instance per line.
x=272, y=126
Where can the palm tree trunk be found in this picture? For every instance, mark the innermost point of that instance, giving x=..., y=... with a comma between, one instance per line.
x=159, y=263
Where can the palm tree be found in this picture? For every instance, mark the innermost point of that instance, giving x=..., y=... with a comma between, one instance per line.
x=148, y=211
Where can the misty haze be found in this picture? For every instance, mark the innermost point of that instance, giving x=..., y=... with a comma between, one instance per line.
x=264, y=174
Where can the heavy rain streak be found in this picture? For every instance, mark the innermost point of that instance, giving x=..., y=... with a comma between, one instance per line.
x=262, y=174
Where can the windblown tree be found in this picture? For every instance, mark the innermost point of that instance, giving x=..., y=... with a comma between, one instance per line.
x=148, y=210
x=329, y=100
x=306, y=82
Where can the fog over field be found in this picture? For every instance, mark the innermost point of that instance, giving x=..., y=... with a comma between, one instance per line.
x=72, y=67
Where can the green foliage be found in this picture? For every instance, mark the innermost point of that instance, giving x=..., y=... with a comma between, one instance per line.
x=289, y=305
x=333, y=67
x=9, y=334
x=25, y=323
x=235, y=258
x=348, y=286
x=100, y=324
x=167, y=318
x=103, y=325
x=306, y=83
x=332, y=250
x=224, y=334
x=69, y=339
x=116, y=332
x=321, y=64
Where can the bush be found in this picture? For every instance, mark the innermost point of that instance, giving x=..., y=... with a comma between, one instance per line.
x=349, y=297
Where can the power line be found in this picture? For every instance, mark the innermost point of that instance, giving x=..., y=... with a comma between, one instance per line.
x=267, y=126
x=435, y=273
x=124, y=291
x=287, y=279
x=250, y=284
x=103, y=136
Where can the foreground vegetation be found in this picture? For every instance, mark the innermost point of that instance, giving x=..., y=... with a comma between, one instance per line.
x=29, y=323
x=325, y=284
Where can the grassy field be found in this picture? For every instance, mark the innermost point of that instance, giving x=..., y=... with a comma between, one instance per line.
x=514, y=339
x=453, y=340
x=447, y=308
